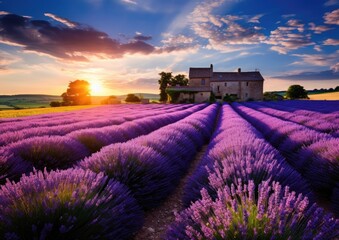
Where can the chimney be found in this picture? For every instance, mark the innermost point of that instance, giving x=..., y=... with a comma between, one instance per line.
x=239, y=70
x=211, y=67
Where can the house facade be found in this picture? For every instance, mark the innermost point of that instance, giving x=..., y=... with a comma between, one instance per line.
x=203, y=82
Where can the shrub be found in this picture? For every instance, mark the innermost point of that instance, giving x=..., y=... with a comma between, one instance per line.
x=55, y=104
x=42, y=152
x=236, y=214
x=144, y=171
x=67, y=204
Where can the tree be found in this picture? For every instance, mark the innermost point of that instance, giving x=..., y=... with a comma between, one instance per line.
x=166, y=79
x=296, y=91
x=78, y=93
x=55, y=104
x=132, y=98
x=179, y=80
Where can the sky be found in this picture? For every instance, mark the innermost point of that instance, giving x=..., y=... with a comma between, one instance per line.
x=121, y=46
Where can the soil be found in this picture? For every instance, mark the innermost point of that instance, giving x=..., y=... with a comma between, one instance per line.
x=157, y=220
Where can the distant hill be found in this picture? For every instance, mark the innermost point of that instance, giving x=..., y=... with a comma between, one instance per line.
x=20, y=101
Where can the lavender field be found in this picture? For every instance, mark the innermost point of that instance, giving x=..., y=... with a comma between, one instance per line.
x=269, y=170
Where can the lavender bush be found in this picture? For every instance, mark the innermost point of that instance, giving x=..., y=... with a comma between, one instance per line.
x=277, y=213
x=41, y=152
x=67, y=204
x=144, y=171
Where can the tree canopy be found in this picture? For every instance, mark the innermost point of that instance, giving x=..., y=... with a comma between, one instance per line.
x=296, y=92
x=77, y=93
x=167, y=79
x=132, y=98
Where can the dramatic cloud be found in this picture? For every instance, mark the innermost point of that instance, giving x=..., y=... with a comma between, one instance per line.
x=70, y=42
x=317, y=48
x=289, y=37
x=332, y=42
x=221, y=31
x=65, y=21
x=332, y=17
x=318, y=29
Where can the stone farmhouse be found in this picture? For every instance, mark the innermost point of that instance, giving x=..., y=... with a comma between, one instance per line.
x=203, y=82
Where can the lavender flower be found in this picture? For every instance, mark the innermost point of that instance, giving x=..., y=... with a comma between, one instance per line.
x=145, y=172
x=68, y=204
x=42, y=152
x=235, y=214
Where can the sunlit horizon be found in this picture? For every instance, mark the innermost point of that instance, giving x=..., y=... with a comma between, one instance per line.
x=286, y=41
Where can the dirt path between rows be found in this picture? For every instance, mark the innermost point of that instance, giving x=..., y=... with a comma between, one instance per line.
x=157, y=220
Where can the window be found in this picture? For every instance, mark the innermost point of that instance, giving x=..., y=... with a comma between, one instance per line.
x=246, y=94
x=203, y=82
x=246, y=83
x=218, y=88
x=225, y=84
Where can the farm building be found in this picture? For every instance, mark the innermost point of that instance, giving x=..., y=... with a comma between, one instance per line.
x=203, y=82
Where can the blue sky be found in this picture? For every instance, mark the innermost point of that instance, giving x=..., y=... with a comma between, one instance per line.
x=120, y=46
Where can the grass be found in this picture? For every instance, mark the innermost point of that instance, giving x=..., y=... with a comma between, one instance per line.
x=324, y=96
x=36, y=111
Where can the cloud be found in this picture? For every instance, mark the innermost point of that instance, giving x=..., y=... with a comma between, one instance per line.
x=318, y=29
x=331, y=3
x=129, y=2
x=323, y=60
x=223, y=31
x=65, y=21
x=6, y=59
x=332, y=17
x=288, y=15
x=289, y=37
x=76, y=43
x=317, y=48
x=332, y=42
x=140, y=37
x=323, y=75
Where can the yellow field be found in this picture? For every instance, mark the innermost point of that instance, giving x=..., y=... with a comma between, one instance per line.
x=325, y=96
x=36, y=111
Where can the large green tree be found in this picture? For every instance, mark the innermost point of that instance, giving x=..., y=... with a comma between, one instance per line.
x=167, y=79
x=132, y=98
x=296, y=92
x=77, y=93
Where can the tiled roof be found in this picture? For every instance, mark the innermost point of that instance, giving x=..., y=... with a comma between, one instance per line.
x=236, y=76
x=189, y=89
x=200, y=72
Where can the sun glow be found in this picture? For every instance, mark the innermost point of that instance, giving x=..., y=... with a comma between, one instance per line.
x=97, y=89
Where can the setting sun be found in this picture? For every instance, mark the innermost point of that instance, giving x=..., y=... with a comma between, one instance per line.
x=97, y=89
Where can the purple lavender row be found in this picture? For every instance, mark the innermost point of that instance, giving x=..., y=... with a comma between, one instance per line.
x=313, y=154
x=323, y=106
x=68, y=204
x=87, y=122
x=314, y=122
x=79, y=204
x=61, y=152
x=152, y=165
x=238, y=151
x=238, y=199
x=329, y=116
x=251, y=211
x=78, y=113
x=83, y=116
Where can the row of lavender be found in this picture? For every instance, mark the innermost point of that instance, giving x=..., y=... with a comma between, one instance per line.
x=105, y=195
x=326, y=123
x=245, y=189
x=60, y=152
x=62, y=124
x=312, y=153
